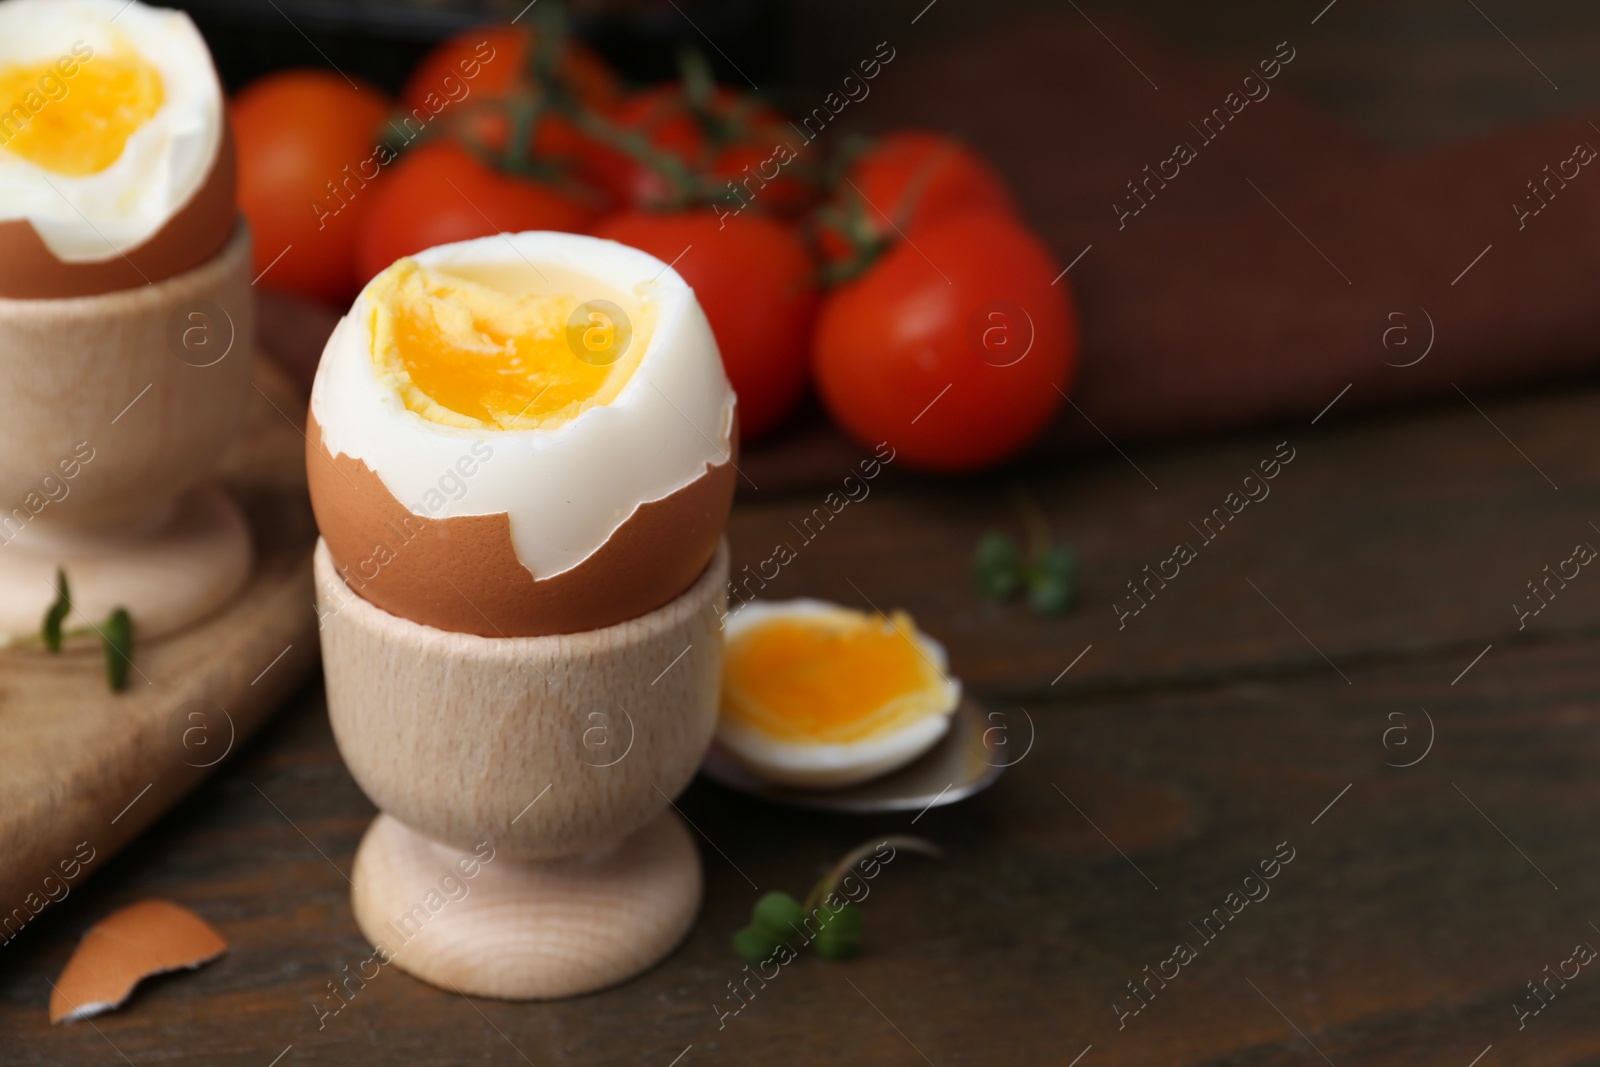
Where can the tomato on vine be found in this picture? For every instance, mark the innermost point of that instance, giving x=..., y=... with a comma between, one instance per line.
x=690, y=142
x=899, y=182
x=307, y=144
x=955, y=347
x=753, y=277
x=439, y=193
x=487, y=82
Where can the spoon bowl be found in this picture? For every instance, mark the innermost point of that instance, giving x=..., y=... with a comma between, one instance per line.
x=960, y=764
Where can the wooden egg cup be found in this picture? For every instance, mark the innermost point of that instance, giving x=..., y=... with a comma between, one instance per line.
x=114, y=410
x=525, y=850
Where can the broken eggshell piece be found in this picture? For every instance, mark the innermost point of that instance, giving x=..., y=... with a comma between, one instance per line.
x=131, y=944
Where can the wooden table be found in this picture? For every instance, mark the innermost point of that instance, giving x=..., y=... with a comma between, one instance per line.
x=1262, y=698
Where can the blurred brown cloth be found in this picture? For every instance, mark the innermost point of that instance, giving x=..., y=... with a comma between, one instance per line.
x=1289, y=257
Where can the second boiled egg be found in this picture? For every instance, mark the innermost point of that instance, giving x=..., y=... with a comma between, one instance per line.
x=116, y=168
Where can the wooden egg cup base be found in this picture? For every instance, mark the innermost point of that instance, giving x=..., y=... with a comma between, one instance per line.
x=190, y=565
x=517, y=855
x=520, y=929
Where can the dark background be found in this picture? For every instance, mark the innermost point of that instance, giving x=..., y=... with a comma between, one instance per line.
x=1408, y=74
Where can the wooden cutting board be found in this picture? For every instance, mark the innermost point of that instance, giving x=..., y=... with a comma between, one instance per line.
x=84, y=770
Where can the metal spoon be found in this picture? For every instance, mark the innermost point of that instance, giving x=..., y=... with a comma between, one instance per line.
x=961, y=764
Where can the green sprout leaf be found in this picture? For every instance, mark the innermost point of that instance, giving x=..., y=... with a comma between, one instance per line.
x=840, y=935
x=50, y=632
x=997, y=566
x=778, y=919
x=117, y=636
x=774, y=920
x=1053, y=580
x=1048, y=573
x=778, y=914
x=754, y=946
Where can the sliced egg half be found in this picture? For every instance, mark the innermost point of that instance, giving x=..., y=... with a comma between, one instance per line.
x=492, y=415
x=110, y=120
x=817, y=695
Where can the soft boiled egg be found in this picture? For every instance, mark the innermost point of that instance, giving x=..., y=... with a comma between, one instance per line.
x=522, y=434
x=115, y=165
x=817, y=695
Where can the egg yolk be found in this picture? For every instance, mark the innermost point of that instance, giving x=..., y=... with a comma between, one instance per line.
x=465, y=354
x=830, y=679
x=78, y=125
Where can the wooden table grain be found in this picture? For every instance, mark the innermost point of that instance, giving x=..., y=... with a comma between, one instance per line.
x=1357, y=619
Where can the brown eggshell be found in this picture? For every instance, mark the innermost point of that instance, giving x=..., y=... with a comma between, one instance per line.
x=462, y=574
x=127, y=946
x=199, y=229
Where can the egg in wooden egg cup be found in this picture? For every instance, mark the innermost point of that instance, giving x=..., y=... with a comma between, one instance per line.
x=126, y=319
x=521, y=458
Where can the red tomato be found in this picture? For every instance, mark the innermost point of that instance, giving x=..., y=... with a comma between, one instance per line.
x=913, y=178
x=468, y=80
x=754, y=279
x=308, y=171
x=439, y=193
x=494, y=60
x=738, y=141
x=769, y=170
x=956, y=350
x=662, y=117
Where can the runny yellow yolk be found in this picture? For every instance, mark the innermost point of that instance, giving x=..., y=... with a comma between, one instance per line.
x=464, y=354
x=77, y=125
x=830, y=679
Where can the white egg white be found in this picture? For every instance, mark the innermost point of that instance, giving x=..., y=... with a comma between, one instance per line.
x=566, y=489
x=100, y=216
x=827, y=766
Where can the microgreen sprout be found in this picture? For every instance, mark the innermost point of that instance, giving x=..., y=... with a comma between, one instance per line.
x=115, y=633
x=778, y=919
x=1048, y=573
